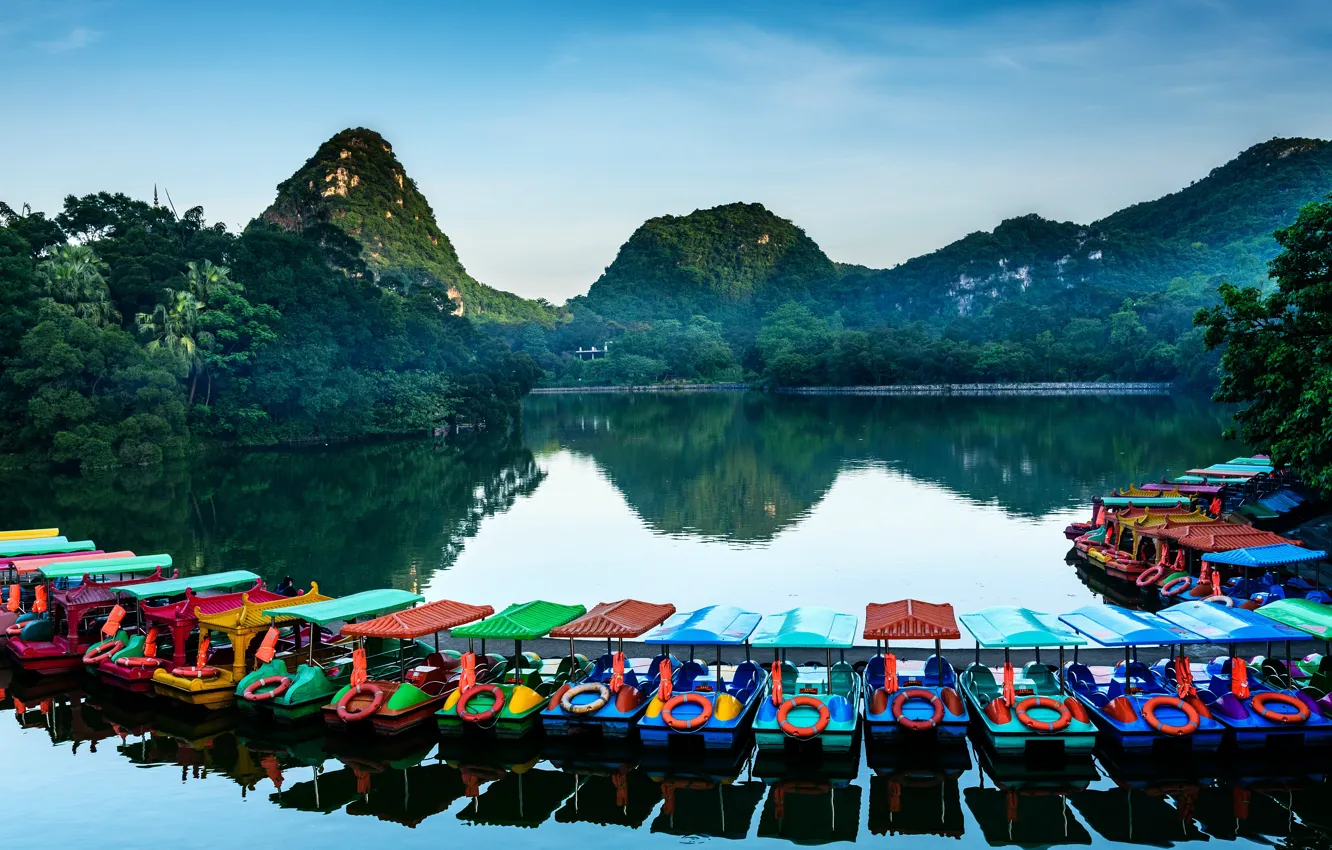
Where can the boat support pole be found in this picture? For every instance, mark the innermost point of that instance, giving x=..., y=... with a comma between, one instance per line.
x=572, y=662
x=1290, y=671
x=719, y=678
x=1060, y=674
x=829, y=651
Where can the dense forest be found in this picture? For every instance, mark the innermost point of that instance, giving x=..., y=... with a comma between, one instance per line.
x=738, y=293
x=129, y=332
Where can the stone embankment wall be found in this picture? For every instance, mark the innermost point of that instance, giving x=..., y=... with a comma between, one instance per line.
x=1064, y=388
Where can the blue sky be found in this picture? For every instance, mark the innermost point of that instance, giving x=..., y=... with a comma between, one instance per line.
x=544, y=135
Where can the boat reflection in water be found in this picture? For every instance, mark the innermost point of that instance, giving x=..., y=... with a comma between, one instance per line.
x=914, y=790
x=810, y=801
x=1027, y=805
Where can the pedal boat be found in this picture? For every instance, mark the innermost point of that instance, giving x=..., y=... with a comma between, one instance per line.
x=405, y=680
x=905, y=700
x=14, y=552
x=1313, y=673
x=24, y=576
x=212, y=683
x=1134, y=705
x=14, y=534
x=79, y=594
x=608, y=696
x=505, y=701
x=1257, y=711
x=809, y=706
x=129, y=661
x=718, y=710
x=1029, y=712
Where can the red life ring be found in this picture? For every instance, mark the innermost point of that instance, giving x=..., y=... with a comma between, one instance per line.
x=1065, y=716
x=1149, y=575
x=1149, y=714
x=138, y=661
x=918, y=725
x=253, y=694
x=785, y=710
x=689, y=724
x=346, y=715
x=195, y=672
x=1176, y=586
x=1260, y=701
x=481, y=716
x=102, y=651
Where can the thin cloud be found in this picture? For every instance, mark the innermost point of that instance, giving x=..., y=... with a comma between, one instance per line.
x=77, y=39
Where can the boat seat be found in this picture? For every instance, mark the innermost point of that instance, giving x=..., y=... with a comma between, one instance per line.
x=874, y=673
x=839, y=709
x=746, y=678
x=1040, y=675
x=688, y=673
x=939, y=673
x=790, y=678
x=982, y=679
x=843, y=679
x=1319, y=596
x=1079, y=679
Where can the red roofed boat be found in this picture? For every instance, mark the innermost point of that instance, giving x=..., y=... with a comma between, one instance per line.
x=911, y=699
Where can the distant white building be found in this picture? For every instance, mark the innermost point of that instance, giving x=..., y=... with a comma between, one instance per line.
x=592, y=353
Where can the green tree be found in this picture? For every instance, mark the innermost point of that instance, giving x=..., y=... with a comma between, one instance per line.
x=71, y=278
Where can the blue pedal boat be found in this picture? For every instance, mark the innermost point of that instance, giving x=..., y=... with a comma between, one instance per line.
x=906, y=700
x=1135, y=705
x=809, y=704
x=716, y=709
x=1256, y=710
x=607, y=696
x=1031, y=710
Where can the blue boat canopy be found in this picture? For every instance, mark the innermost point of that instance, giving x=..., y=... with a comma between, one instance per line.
x=1218, y=624
x=1276, y=555
x=1009, y=627
x=715, y=625
x=807, y=627
x=1111, y=625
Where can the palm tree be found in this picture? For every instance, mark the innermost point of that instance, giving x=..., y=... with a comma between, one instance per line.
x=206, y=280
x=72, y=276
x=174, y=326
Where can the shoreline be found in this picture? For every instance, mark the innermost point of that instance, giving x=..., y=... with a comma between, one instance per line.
x=1071, y=388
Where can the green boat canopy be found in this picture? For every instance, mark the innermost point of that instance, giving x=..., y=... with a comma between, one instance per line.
x=1008, y=627
x=45, y=546
x=522, y=621
x=367, y=603
x=807, y=627
x=178, y=586
x=1311, y=617
x=1144, y=501
x=78, y=569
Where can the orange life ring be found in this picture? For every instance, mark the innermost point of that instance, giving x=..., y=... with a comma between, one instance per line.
x=346, y=715
x=1260, y=701
x=1149, y=714
x=918, y=725
x=1065, y=716
x=253, y=694
x=481, y=716
x=668, y=717
x=140, y=661
x=102, y=651
x=195, y=672
x=1176, y=586
x=785, y=710
x=1149, y=575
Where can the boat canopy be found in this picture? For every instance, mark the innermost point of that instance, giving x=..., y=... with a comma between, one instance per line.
x=78, y=568
x=627, y=618
x=911, y=619
x=413, y=623
x=1008, y=627
x=1275, y=555
x=1144, y=501
x=44, y=546
x=28, y=533
x=715, y=625
x=26, y=564
x=178, y=586
x=522, y=621
x=1218, y=624
x=1111, y=625
x=806, y=627
x=1250, y=461
x=250, y=614
x=1312, y=617
x=367, y=603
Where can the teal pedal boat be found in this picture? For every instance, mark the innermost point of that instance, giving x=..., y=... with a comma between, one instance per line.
x=808, y=705
x=505, y=697
x=1028, y=711
x=912, y=701
x=606, y=697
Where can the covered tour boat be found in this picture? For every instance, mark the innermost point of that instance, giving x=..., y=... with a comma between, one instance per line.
x=911, y=699
x=504, y=697
x=811, y=703
x=394, y=680
x=609, y=695
x=719, y=709
x=1030, y=711
x=24, y=574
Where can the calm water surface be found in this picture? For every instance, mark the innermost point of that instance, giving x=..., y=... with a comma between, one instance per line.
x=763, y=502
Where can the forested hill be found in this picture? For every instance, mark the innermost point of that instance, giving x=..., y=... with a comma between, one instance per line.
x=355, y=182
x=1032, y=299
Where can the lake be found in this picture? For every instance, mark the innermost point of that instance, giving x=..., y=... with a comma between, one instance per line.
x=761, y=501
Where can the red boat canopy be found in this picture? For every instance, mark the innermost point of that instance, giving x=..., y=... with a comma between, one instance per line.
x=627, y=618
x=418, y=622
x=1221, y=537
x=910, y=619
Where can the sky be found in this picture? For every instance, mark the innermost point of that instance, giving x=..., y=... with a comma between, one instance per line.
x=543, y=134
